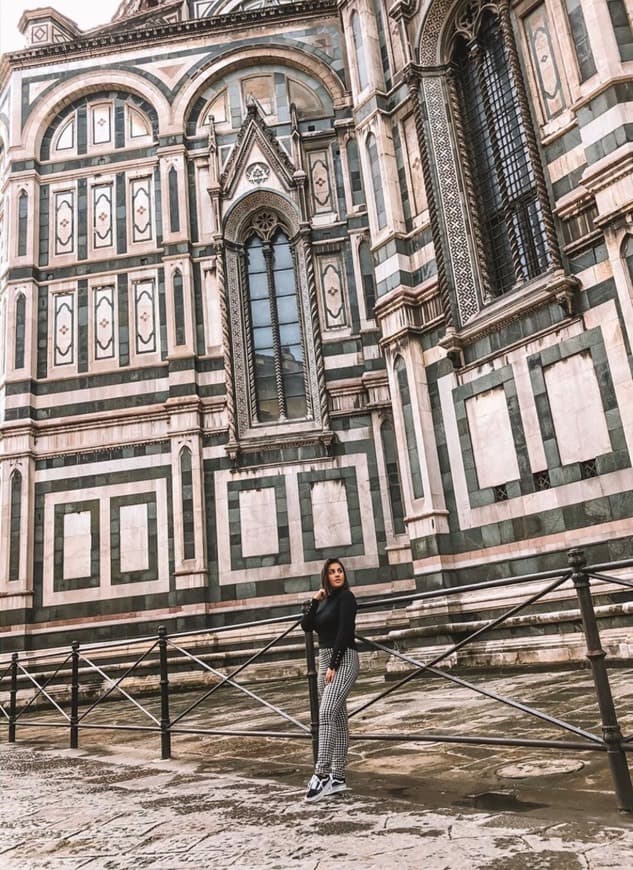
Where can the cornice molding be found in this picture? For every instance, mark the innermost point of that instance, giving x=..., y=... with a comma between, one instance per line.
x=99, y=43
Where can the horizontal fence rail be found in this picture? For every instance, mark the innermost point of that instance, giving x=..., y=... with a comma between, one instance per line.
x=165, y=655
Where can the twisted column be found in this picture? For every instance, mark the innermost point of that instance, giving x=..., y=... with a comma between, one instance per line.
x=316, y=328
x=226, y=339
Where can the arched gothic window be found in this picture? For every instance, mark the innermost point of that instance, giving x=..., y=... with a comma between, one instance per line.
x=509, y=210
x=376, y=181
x=20, y=330
x=276, y=353
x=359, y=51
x=415, y=471
x=15, y=525
x=23, y=222
x=188, y=519
x=179, y=309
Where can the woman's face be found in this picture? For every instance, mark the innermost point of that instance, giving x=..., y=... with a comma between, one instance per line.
x=335, y=575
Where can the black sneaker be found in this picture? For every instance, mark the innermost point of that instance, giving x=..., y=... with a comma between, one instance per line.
x=337, y=783
x=316, y=788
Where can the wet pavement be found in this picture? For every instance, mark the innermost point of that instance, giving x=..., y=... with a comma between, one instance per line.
x=225, y=801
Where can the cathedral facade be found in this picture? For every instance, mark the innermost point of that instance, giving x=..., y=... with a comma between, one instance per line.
x=280, y=281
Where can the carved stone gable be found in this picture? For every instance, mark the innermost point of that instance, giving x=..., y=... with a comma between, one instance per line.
x=257, y=158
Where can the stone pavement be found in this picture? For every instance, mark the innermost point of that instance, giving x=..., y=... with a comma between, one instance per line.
x=69, y=809
x=231, y=802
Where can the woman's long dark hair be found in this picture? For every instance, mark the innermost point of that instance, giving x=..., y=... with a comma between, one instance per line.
x=324, y=578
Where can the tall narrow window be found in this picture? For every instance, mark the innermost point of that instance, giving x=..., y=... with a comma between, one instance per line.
x=409, y=428
x=627, y=251
x=23, y=222
x=382, y=40
x=277, y=357
x=388, y=439
x=20, y=330
x=355, y=173
x=582, y=44
x=621, y=28
x=359, y=51
x=179, y=309
x=174, y=208
x=186, y=483
x=367, y=275
x=376, y=180
x=510, y=211
x=15, y=524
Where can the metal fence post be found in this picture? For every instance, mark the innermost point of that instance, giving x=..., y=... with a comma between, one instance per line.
x=313, y=693
x=13, y=697
x=611, y=733
x=165, y=733
x=74, y=695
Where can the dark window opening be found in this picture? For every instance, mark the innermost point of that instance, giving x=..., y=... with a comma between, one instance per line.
x=510, y=213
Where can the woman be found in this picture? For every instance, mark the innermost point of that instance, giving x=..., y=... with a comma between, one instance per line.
x=332, y=614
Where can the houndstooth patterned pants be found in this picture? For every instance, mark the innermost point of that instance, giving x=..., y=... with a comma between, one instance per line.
x=333, y=730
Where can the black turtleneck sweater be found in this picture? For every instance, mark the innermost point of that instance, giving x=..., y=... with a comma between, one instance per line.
x=334, y=620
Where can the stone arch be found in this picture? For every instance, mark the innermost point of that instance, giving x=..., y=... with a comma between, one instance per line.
x=242, y=210
x=431, y=40
x=294, y=58
x=54, y=101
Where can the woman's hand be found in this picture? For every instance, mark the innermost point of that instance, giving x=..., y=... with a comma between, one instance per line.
x=320, y=595
x=329, y=675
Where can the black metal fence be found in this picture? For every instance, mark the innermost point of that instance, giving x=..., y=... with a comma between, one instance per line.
x=160, y=653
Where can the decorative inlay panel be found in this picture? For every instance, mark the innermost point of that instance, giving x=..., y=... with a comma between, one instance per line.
x=64, y=329
x=145, y=316
x=543, y=60
x=101, y=117
x=333, y=292
x=104, y=322
x=64, y=205
x=102, y=216
x=141, y=196
x=320, y=185
x=450, y=197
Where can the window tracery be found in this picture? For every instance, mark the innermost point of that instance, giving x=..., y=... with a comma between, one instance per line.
x=507, y=199
x=278, y=380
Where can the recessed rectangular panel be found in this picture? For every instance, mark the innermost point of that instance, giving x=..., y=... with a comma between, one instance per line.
x=577, y=412
x=330, y=514
x=491, y=436
x=258, y=522
x=77, y=545
x=134, y=538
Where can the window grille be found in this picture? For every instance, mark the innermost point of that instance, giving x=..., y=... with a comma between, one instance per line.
x=509, y=209
x=542, y=480
x=588, y=469
x=277, y=357
x=501, y=492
